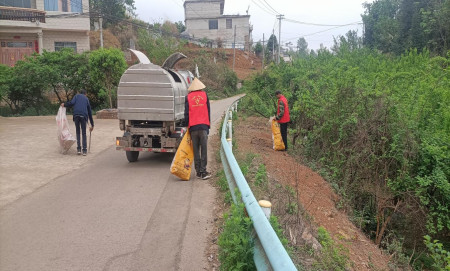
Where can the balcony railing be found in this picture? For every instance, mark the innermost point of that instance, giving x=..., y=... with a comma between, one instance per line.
x=22, y=14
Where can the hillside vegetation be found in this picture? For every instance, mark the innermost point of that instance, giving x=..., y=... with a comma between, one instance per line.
x=380, y=126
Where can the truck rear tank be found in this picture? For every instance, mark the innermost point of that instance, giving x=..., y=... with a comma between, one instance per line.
x=150, y=103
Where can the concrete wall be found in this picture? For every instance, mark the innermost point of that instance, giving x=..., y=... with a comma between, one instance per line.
x=80, y=22
x=199, y=28
x=67, y=27
x=50, y=37
x=202, y=9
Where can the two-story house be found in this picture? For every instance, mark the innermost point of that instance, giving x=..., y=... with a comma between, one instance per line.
x=28, y=26
x=205, y=19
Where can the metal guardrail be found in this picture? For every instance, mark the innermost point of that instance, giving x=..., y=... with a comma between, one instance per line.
x=269, y=253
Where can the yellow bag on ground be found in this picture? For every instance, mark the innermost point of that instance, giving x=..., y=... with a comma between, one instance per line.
x=278, y=143
x=182, y=162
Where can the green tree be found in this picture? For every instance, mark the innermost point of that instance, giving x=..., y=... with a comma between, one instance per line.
x=436, y=26
x=180, y=26
x=381, y=25
x=395, y=26
x=5, y=75
x=349, y=42
x=258, y=48
x=272, y=47
x=68, y=72
x=302, y=47
x=112, y=11
x=106, y=66
x=28, y=85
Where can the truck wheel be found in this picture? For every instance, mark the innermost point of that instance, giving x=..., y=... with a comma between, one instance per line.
x=132, y=156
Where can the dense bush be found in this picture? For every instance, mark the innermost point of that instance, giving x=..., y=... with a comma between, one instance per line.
x=381, y=127
x=27, y=87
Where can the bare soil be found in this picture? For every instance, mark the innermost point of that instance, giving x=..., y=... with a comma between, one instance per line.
x=245, y=63
x=316, y=197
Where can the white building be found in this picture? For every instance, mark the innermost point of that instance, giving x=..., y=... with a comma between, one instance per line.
x=28, y=26
x=205, y=19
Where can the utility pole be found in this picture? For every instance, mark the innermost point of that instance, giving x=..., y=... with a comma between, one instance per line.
x=263, y=55
x=234, y=46
x=101, y=31
x=280, y=17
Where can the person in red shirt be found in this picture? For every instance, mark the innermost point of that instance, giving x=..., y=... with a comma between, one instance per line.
x=197, y=116
x=282, y=116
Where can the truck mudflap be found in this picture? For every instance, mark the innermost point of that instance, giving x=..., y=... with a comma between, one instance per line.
x=141, y=149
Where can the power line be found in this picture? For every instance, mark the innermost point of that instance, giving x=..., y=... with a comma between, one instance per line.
x=314, y=33
x=265, y=9
x=315, y=24
x=270, y=7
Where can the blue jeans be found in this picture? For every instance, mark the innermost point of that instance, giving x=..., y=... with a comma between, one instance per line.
x=80, y=125
x=200, y=144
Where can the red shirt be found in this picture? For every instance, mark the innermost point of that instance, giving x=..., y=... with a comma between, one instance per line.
x=198, y=108
x=285, y=118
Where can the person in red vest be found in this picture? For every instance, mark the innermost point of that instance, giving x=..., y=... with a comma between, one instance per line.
x=198, y=118
x=282, y=116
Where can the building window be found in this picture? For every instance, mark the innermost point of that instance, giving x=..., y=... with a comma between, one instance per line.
x=76, y=6
x=65, y=44
x=213, y=24
x=229, y=23
x=62, y=5
x=16, y=3
x=16, y=44
x=65, y=7
x=51, y=5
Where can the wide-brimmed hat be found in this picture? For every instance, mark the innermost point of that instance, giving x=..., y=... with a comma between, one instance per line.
x=196, y=85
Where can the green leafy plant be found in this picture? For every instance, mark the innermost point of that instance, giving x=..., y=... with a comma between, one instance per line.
x=440, y=256
x=235, y=241
x=261, y=176
x=333, y=256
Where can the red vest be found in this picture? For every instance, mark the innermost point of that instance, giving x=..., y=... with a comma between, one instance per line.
x=285, y=118
x=198, y=108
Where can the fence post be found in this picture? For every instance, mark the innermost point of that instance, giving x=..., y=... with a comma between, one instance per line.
x=266, y=206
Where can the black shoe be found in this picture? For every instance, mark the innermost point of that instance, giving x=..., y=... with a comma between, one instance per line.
x=199, y=175
x=78, y=151
x=206, y=175
x=84, y=152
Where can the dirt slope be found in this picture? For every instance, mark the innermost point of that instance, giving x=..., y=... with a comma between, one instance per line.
x=245, y=63
x=317, y=198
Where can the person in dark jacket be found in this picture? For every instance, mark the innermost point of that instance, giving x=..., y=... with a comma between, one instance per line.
x=282, y=116
x=81, y=113
x=197, y=116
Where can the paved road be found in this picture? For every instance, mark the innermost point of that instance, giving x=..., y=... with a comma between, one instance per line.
x=112, y=215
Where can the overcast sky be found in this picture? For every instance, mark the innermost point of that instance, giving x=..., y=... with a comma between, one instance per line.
x=263, y=17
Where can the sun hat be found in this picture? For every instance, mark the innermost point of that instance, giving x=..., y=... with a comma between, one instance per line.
x=196, y=85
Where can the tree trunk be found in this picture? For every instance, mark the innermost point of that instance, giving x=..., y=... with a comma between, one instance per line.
x=382, y=228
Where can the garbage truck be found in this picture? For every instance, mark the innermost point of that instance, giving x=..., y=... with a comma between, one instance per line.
x=150, y=103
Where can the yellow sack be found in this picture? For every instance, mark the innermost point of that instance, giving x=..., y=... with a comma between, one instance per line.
x=278, y=143
x=182, y=162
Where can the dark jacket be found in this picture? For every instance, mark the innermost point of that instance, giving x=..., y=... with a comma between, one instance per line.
x=81, y=107
x=186, y=116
